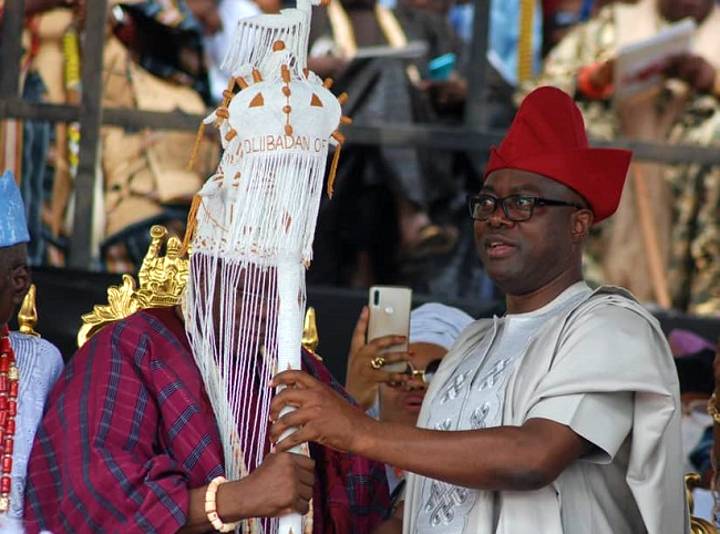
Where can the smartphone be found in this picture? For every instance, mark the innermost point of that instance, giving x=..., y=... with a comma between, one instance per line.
x=390, y=316
x=441, y=67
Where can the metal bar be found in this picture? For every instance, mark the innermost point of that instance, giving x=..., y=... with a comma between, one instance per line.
x=91, y=117
x=133, y=119
x=419, y=135
x=477, y=75
x=446, y=138
x=664, y=153
x=477, y=140
x=11, y=48
x=15, y=108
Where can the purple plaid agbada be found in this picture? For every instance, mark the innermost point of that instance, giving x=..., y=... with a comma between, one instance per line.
x=129, y=431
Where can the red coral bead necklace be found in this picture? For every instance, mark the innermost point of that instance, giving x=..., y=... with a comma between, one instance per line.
x=9, y=384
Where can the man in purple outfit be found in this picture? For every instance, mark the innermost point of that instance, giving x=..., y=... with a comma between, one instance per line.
x=130, y=443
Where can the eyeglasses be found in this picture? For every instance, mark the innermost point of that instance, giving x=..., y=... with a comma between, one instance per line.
x=517, y=208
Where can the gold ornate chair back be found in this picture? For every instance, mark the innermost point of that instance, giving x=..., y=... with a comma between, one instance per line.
x=162, y=281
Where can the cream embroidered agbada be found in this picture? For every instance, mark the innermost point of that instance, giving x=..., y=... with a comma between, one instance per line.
x=596, y=362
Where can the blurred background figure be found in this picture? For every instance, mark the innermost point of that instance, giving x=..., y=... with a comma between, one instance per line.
x=24, y=145
x=682, y=201
x=219, y=38
x=382, y=211
x=153, y=61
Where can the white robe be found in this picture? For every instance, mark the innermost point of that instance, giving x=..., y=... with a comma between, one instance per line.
x=39, y=366
x=607, y=343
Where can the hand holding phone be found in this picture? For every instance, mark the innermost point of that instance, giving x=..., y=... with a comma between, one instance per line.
x=390, y=316
x=362, y=377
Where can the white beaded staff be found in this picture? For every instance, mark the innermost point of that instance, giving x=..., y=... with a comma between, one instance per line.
x=250, y=232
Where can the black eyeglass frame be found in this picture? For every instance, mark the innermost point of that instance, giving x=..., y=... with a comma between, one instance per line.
x=502, y=202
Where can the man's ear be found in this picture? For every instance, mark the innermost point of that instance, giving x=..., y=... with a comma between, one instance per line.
x=19, y=283
x=582, y=221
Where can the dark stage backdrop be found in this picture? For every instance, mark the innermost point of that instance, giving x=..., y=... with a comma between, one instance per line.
x=64, y=295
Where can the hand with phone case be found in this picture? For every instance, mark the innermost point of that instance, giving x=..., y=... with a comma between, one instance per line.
x=389, y=316
x=362, y=378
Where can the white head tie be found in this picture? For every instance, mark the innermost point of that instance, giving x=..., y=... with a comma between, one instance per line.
x=437, y=324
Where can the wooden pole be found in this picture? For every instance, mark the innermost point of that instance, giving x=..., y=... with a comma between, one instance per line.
x=82, y=254
x=11, y=48
x=651, y=240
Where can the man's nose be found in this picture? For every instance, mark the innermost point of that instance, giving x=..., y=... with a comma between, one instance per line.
x=498, y=219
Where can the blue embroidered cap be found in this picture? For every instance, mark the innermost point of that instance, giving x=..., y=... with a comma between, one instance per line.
x=13, y=227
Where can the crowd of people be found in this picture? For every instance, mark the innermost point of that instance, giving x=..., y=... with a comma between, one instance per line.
x=563, y=415
x=570, y=413
x=397, y=213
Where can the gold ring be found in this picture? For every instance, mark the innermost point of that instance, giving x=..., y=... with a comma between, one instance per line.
x=377, y=362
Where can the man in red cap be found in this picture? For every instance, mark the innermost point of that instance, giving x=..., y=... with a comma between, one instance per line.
x=560, y=417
